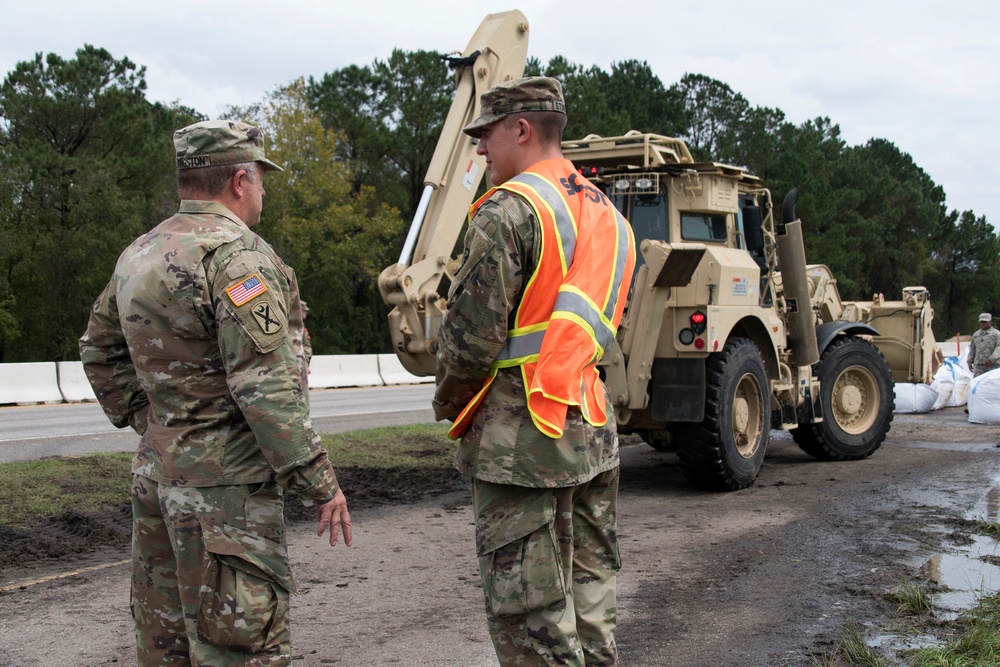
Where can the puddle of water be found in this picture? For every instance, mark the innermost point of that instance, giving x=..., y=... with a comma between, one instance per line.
x=969, y=573
x=891, y=645
x=899, y=643
x=972, y=570
x=988, y=507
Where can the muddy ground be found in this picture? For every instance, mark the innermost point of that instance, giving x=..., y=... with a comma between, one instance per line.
x=766, y=576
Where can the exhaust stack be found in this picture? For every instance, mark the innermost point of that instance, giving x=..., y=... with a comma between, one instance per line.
x=795, y=284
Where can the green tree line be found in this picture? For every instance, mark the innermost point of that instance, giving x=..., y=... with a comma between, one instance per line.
x=86, y=166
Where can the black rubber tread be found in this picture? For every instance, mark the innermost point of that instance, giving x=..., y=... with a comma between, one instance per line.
x=707, y=453
x=826, y=440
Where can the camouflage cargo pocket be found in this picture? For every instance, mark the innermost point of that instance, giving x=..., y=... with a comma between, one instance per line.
x=244, y=593
x=519, y=556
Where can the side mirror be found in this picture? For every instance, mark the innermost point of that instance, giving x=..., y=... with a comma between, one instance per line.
x=753, y=228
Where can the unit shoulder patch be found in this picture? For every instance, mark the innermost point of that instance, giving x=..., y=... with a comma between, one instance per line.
x=268, y=320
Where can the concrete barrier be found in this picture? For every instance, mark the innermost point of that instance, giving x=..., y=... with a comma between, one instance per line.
x=344, y=370
x=952, y=346
x=73, y=383
x=948, y=348
x=46, y=382
x=26, y=384
x=392, y=371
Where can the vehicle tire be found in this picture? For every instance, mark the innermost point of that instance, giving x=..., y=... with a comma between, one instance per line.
x=857, y=398
x=725, y=451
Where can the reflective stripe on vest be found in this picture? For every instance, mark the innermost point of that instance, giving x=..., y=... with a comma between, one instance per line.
x=565, y=224
x=566, y=318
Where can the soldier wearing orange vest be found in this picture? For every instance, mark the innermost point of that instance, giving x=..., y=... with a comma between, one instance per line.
x=538, y=299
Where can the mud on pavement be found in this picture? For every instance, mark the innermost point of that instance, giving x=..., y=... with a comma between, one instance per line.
x=764, y=576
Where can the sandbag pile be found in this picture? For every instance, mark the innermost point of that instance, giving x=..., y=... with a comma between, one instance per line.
x=948, y=390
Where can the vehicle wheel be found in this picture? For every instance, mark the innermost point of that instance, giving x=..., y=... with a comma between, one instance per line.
x=659, y=439
x=725, y=451
x=856, y=394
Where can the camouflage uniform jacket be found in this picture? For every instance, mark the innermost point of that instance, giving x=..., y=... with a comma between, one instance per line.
x=985, y=345
x=214, y=384
x=502, y=445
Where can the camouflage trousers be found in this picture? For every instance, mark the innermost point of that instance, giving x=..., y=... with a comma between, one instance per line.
x=549, y=562
x=210, y=575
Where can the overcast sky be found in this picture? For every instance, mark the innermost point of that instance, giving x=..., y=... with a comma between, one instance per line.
x=924, y=75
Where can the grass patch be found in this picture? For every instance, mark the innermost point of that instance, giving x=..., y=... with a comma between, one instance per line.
x=420, y=446
x=33, y=491
x=988, y=528
x=851, y=648
x=912, y=599
x=854, y=647
x=975, y=640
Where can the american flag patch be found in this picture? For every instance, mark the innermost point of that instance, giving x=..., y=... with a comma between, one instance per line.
x=243, y=291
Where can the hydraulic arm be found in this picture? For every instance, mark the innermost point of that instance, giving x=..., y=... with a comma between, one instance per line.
x=496, y=53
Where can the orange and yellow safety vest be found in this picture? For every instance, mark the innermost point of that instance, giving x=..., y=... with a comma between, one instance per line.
x=573, y=301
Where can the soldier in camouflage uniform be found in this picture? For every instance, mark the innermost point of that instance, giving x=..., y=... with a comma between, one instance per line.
x=196, y=344
x=984, y=350
x=546, y=508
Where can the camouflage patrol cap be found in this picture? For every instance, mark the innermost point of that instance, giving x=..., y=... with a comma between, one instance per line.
x=219, y=142
x=532, y=93
x=985, y=317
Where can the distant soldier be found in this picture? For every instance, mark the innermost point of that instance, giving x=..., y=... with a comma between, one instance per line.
x=984, y=350
x=196, y=344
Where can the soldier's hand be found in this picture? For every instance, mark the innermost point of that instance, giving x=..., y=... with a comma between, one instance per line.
x=334, y=514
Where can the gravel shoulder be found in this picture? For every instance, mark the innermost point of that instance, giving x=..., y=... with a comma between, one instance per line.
x=763, y=576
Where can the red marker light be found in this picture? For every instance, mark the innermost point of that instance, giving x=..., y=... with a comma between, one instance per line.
x=698, y=321
x=699, y=343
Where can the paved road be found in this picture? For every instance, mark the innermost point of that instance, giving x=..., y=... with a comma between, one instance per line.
x=71, y=429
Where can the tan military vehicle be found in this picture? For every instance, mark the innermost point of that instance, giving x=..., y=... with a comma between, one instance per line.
x=728, y=332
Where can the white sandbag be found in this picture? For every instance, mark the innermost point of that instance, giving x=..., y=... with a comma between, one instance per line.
x=952, y=373
x=912, y=397
x=958, y=394
x=944, y=383
x=984, y=398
